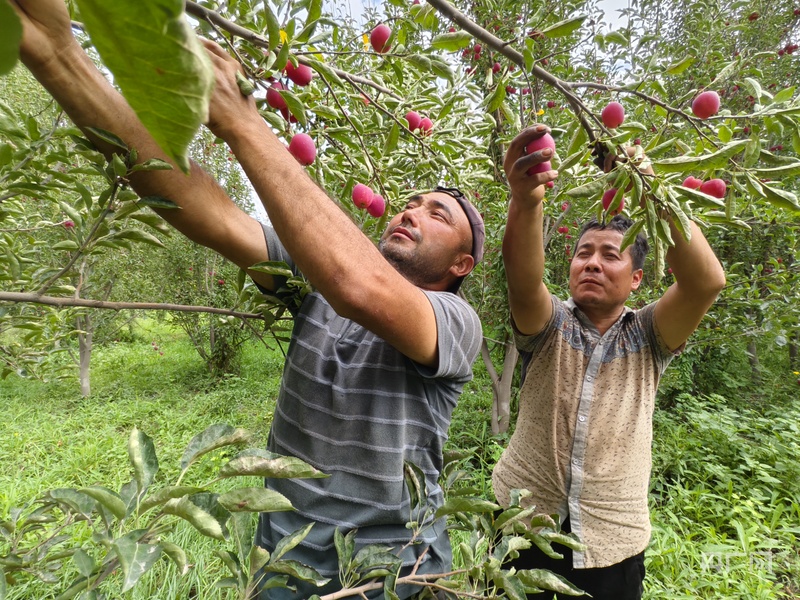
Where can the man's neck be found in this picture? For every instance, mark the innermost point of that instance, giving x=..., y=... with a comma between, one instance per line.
x=602, y=319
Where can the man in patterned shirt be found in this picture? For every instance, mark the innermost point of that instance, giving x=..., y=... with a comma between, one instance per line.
x=380, y=350
x=591, y=367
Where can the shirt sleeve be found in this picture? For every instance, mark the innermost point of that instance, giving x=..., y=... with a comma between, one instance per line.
x=459, y=337
x=531, y=344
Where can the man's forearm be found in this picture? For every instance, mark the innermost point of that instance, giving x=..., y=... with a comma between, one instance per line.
x=694, y=264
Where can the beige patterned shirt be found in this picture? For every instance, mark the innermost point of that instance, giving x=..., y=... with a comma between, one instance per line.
x=584, y=432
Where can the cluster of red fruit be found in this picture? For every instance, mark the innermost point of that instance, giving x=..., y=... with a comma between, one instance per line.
x=713, y=187
x=475, y=52
x=415, y=121
x=788, y=49
x=364, y=197
x=299, y=75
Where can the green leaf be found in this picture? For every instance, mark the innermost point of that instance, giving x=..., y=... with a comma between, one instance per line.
x=10, y=38
x=289, y=542
x=142, y=454
x=255, y=499
x=314, y=13
x=215, y=436
x=325, y=71
x=466, y=504
x=158, y=63
x=135, y=559
x=789, y=170
x=592, y=188
x=154, y=164
x=441, y=69
x=345, y=545
x=164, y=494
x=781, y=198
x=616, y=37
x=177, y=555
x=83, y=562
x=496, y=99
x=136, y=235
x=297, y=570
x=680, y=66
x=65, y=245
x=451, y=42
x=391, y=140
x=273, y=27
x=715, y=160
x=547, y=580
x=564, y=27
x=698, y=197
x=295, y=105
x=420, y=61
x=275, y=466
x=200, y=519
x=158, y=202
x=108, y=138
x=111, y=500
x=726, y=71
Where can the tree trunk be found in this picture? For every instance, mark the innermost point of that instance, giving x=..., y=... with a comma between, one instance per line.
x=501, y=385
x=755, y=366
x=794, y=342
x=84, y=325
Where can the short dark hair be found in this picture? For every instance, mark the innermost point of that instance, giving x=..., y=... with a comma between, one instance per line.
x=638, y=248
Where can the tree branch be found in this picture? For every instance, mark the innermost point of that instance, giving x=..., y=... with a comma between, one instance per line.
x=88, y=303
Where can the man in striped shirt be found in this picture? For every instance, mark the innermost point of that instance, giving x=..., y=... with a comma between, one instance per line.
x=381, y=348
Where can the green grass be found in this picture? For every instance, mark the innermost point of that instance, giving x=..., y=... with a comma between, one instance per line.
x=726, y=480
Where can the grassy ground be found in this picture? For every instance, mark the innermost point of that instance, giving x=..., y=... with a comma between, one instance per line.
x=726, y=481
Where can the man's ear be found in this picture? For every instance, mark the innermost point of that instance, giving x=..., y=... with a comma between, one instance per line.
x=637, y=279
x=463, y=265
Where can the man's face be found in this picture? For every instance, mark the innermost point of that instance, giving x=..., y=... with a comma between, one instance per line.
x=427, y=238
x=600, y=276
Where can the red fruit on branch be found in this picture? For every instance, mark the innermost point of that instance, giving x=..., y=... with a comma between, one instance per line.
x=714, y=187
x=692, y=182
x=69, y=224
x=705, y=105
x=613, y=115
x=413, y=119
x=362, y=195
x=301, y=74
x=378, y=38
x=608, y=198
x=303, y=149
x=274, y=98
x=377, y=207
x=425, y=125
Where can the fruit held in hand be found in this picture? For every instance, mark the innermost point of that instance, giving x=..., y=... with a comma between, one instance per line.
x=692, y=182
x=714, y=187
x=274, y=98
x=301, y=74
x=303, y=149
x=705, y=105
x=613, y=115
x=362, y=195
x=546, y=141
x=608, y=198
x=414, y=120
x=377, y=207
x=378, y=38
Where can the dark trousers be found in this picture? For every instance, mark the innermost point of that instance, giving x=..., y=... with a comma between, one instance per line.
x=622, y=581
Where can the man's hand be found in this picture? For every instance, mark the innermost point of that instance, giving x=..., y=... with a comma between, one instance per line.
x=528, y=189
x=46, y=31
x=229, y=108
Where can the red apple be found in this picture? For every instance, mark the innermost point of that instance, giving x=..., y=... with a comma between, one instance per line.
x=426, y=125
x=378, y=38
x=692, y=182
x=413, y=119
x=714, y=187
x=563, y=229
x=274, y=98
x=705, y=105
x=301, y=74
x=362, y=195
x=496, y=67
x=303, y=149
x=613, y=115
x=377, y=207
x=608, y=197
x=551, y=104
x=540, y=143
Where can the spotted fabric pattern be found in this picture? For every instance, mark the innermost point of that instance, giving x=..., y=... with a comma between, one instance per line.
x=582, y=445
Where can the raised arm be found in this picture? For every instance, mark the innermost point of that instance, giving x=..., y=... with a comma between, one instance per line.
x=699, y=278
x=523, y=245
x=339, y=260
x=208, y=216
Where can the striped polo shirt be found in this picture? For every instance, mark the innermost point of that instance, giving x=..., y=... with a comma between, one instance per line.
x=355, y=408
x=582, y=443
